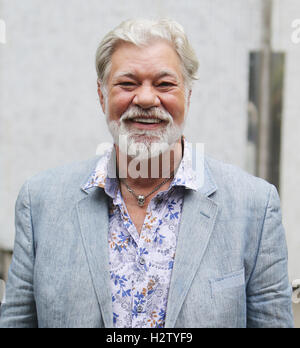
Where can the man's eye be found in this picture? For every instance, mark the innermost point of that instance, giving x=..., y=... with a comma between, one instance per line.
x=165, y=84
x=126, y=84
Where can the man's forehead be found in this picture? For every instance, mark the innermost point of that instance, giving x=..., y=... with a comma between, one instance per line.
x=158, y=58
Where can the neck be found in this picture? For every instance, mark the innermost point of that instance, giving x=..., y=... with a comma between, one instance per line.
x=148, y=173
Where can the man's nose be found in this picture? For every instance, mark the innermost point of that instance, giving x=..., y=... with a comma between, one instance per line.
x=146, y=97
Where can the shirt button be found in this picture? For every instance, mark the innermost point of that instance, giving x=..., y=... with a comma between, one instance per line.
x=140, y=308
x=142, y=261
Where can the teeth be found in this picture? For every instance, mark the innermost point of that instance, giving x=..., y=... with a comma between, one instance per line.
x=147, y=120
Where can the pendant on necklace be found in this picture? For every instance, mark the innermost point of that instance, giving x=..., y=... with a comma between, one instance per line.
x=141, y=200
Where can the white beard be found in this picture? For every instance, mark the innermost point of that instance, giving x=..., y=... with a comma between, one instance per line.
x=145, y=144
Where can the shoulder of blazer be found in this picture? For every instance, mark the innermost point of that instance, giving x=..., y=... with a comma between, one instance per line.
x=235, y=183
x=61, y=183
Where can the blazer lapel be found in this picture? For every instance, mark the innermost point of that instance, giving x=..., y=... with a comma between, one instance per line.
x=197, y=221
x=92, y=214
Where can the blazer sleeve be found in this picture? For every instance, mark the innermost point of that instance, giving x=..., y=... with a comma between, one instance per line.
x=19, y=310
x=269, y=291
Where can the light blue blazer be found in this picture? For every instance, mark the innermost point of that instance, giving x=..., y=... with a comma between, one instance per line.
x=230, y=267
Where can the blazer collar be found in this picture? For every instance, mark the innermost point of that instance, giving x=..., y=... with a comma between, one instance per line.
x=209, y=185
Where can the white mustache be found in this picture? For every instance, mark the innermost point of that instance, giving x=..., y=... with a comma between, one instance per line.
x=155, y=112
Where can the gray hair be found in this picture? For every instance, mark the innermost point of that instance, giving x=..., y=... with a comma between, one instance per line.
x=141, y=32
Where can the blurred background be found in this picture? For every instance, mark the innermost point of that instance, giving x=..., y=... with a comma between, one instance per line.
x=245, y=106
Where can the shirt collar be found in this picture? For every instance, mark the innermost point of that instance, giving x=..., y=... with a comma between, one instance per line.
x=185, y=176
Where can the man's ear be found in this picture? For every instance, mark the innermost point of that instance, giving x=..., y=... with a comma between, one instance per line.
x=101, y=96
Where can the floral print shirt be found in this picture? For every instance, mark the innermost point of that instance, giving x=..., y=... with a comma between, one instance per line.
x=141, y=265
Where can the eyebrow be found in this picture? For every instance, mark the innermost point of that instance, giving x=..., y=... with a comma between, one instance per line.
x=161, y=74
x=125, y=74
x=167, y=73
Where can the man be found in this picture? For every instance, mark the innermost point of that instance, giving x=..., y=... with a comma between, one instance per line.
x=144, y=236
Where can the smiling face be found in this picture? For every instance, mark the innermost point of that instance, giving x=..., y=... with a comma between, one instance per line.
x=145, y=95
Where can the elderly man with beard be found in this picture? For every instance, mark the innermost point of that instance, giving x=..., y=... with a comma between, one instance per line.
x=143, y=236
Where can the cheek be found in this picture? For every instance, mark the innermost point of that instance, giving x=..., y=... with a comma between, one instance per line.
x=118, y=104
x=175, y=105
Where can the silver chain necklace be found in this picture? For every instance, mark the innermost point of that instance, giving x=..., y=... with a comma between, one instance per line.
x=141, y=198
